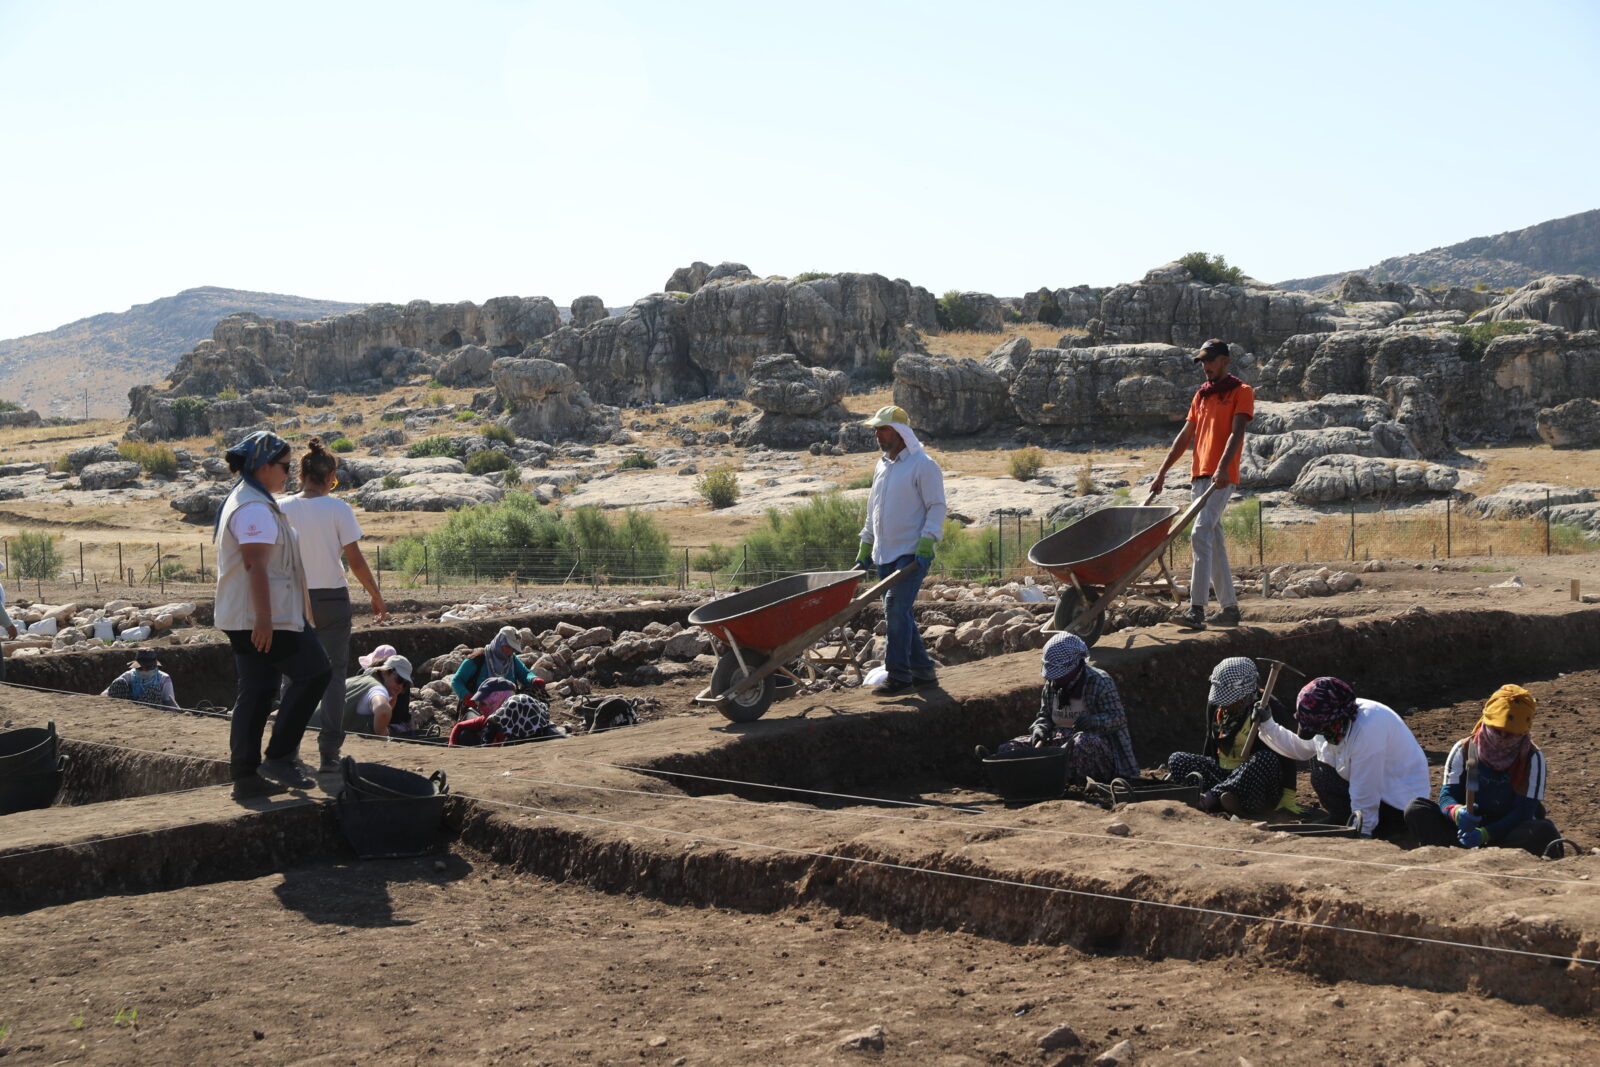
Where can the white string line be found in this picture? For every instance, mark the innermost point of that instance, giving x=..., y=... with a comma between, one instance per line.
x=1218, y=912
x=1150, y=842
x=143, y=751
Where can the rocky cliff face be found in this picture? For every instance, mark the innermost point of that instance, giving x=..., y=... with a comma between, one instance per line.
x=1569, y=301
x=1569, y=245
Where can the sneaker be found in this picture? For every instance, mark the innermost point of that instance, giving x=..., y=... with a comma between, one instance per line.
x=1232, y=805
x=1208, y=802
x=923, y=681
x=1228, y=616
x=1194, y=616
x=253, y=788
x=894, y=687
x=980, y=751
x=329, y=765
x=285, y=772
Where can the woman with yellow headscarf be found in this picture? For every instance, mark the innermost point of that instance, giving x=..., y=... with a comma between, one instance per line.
x=1493, y=791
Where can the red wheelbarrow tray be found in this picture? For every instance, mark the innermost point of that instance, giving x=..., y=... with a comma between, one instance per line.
x=1103, y=545
x=767, y=616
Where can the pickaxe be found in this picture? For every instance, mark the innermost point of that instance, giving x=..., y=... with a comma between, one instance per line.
x=1278, y=667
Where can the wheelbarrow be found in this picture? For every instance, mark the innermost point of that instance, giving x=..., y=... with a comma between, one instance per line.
x=1099, y=557
x=764, y=629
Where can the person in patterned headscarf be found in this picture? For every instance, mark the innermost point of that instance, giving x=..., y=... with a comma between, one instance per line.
x=1365, y=759
x=1231, y=782
x=1507, y=809
x=1080, y=712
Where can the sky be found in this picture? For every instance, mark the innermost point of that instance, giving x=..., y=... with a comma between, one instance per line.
x=393, y=151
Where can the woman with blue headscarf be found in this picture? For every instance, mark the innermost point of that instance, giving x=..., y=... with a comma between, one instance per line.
x=262, y=605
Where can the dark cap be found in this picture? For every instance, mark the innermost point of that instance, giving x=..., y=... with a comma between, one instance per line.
x=1211, y=349
x=145, y=655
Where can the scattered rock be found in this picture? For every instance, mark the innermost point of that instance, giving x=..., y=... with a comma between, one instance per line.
x=1061, y=1037
x=1119, y=829
x=1119, y=1055
x=869, y=1040
x=115, y=474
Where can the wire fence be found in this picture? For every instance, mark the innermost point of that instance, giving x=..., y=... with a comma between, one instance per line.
x=994, y=553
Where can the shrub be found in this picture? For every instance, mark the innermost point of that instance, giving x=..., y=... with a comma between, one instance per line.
x=1242, y=521
x=715, y=558
x=639, y=461
x=878, y=368
x=1212, y=270
x=512, y=477
x=189, y=413
x=10, y=405
x=954, y=313
x=486, y=461
x=342, y=444
x=437, y=445
x=1084, y=482
x=157, y=459
x=1480, y=334
x=465, y=416
x=229, y=393
x=392, y=416
x=719, y=487
x=820, y=535
x=1026, y=463
x=633, y=548
x=392, y=481
x=862, y=481
x=436, y=398
x=811, y=275
x=495, y=432
x=35, y=555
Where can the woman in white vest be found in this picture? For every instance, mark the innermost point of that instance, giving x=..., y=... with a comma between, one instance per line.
x=262, y=606
x=329, y=536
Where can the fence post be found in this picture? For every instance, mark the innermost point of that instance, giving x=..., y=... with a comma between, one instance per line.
x=685, y=583
x=1000, y=550
x=424, y=563
x=1261, y=532
x=161, y=576
x=1447, y=545
x=1547, y=522
x=1352, y=531
x=202, y=562
x=120, y=570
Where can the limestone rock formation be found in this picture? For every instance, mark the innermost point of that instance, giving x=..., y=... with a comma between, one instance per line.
x=799, y=404
x=1279, y=459
x=1067, y=308
x=1575, y=424
x=1356, y=289
x=1104, y=390
x=1417, y=411
x=1358, y=412
x=80, y=458
x=587, y=310
x=984, y=310
x=202, y=504
x=466, y=366
x=356, y=471
x=114, y=474
x=1569, y=301
x=1335, y=478
x=429, y=492
x=638, y=357
x=689, y=279
x=21, y=418
x=1521, y=499
x=543, y=400
x=946, y=396
x=1009, y=357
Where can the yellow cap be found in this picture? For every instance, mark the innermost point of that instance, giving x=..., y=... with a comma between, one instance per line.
x=1510, y=709
x=890, y=414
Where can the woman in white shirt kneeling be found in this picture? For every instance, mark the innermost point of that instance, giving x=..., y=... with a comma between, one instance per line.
x=329, y=536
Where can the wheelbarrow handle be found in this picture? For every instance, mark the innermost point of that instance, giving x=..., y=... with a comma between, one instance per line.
x=1151, y=495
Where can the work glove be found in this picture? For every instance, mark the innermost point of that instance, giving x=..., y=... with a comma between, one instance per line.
x=1038, y=734
x=1463, y=818
x=1263, y=711
x=864, y=556
x=1289, y=803
x=1476, y=838
x=925, y=551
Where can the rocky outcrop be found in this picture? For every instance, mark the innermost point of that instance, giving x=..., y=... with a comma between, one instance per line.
x=1575, y=424
x=978, y=312
x=638, y=357
x=543, y=400
x=587, y=310
x=799, y=404
x=113, y=474
x=1106, y=390
x=468, y=365
x=79, y=458
x=1357, y=412
x=1417, y=411
x=1271, y=460
x=689, y=279
x=1413, y=299
x=202, y=504
x=1521, y=499
x=950, y=397
x=20, y=418
x=356, y=471
x=1569, y=301
x=429, y=492
x=1067, y=308
x=1336, y=478
x=1008, y=358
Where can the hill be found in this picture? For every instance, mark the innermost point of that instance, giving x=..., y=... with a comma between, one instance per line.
x=1560, y=246
x=108, y=354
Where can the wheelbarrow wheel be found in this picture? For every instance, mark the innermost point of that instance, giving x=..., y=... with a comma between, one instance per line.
x=1067, y=606
x=751, y=704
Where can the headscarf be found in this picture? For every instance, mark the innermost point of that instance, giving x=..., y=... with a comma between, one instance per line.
x=912, y=444
x=147, y=685
x=1065, y=660
x=1234, y=679
x=1501, y=735
x=521, y=717
x=255, y=451
x=1221, y=387
x=1326, y=706
x=498, y=653
x=492, y=693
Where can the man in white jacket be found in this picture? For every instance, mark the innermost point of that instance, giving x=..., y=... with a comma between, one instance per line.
x=905, y=518
x=1366, y=760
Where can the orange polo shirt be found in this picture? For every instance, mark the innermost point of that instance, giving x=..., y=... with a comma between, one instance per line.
x=1212, y=418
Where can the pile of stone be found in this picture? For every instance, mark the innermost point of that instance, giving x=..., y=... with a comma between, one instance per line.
x=56, y=626
x=1294, y=582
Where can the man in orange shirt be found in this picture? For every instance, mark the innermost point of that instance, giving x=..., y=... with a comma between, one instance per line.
x=1215, y=426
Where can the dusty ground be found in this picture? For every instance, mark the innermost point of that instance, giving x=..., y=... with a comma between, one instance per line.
x=399, y=962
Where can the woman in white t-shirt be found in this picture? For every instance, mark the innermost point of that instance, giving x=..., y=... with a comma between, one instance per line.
x=261, y=605
x=329, y=536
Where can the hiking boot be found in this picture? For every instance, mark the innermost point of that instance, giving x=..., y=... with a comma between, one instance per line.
x=924, y=681
x=1208, y=802
x=980, y=751
x=329, y=765
x=285, y=772
x=1231, y=804
x=1228, y=616
x=1194, y=616
x=254, y=787
x=894, y=687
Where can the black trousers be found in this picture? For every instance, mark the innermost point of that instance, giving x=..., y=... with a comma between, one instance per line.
x=295, y=656
x=1333, y=793
x=1433, y=827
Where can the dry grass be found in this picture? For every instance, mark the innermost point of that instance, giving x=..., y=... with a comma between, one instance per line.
x=969, y=344
x=1526, y=462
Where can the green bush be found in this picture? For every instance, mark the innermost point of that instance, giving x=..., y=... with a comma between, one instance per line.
x=1480, y=334
x=495, y=432
x=10, y=405
x=392, y=481
x=811, y=275
x=229, y=393
x=1026, y=463
x=1212, y=270
x=954, y=313
x=822, y=534
x=714, y=558
x=638, y=461
x=860, y=481
x=719, y=487
x=342, y=444
x=157, y=459
x=878, y=368
x=512, y=477
x=35, y=555
x=465, y=416
x=392, y=416
x=189, y=413
x=437, y=445
x=486, y=461
x=1242, y=521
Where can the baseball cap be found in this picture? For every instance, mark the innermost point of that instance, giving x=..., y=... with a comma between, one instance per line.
x=1211, y=349
x=884, y=416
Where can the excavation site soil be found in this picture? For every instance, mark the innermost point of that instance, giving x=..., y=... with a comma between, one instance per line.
x=831, y=883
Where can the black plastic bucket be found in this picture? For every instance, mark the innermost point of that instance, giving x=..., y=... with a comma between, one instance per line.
x=31, y=789
x=1041, y=776
x=388, y=813
x=31, y=750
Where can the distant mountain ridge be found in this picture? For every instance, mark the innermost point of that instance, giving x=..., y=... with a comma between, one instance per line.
x=108, y=354
x=1561, y=246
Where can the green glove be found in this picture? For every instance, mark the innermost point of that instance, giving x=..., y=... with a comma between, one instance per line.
x=925, y=550
x=864, y=555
